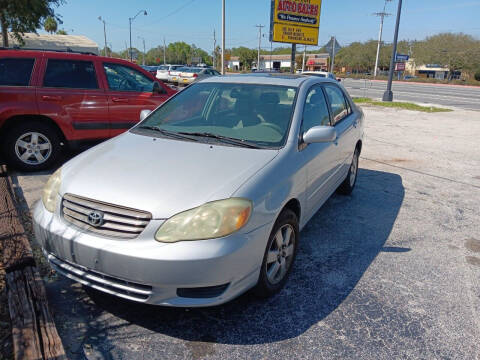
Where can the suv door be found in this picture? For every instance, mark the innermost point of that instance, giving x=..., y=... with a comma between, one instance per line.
x=320, y=158
x=70, y=93
x=344, y=120
x=129, y=92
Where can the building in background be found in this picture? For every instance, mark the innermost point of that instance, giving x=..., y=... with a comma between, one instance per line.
x=313, y=62
x=77, y=43
x=317, y=62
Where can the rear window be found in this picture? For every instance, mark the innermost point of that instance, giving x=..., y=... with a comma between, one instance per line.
x=176, y=67
x=70, y=74
x=16, y=72
x=163, y=67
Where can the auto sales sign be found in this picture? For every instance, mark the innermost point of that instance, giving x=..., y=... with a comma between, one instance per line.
x=295, y=21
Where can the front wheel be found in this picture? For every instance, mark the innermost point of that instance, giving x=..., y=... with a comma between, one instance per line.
x=32, y=146
x=279, y=255
x=348, y=184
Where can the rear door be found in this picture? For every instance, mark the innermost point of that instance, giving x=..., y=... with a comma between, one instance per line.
x=71, y=94
x=344, y=121
x=129, y=92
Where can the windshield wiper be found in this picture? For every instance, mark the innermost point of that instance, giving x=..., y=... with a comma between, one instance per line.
x=167, y=133
x=226, y=139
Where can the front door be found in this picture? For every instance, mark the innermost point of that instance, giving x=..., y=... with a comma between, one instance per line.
x=129, y=92
x=319, y=158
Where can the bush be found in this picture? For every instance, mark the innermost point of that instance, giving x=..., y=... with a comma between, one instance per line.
x=477, y=75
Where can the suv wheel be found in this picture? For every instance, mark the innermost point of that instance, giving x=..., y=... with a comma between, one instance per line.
x=32, y=146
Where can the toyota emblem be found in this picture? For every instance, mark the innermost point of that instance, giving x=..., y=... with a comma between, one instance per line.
x=95, y=218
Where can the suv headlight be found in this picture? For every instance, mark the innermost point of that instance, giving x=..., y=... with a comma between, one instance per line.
x=211, y=220
x=51, y=189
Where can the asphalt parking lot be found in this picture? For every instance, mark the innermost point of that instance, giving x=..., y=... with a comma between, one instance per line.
x=392, y=271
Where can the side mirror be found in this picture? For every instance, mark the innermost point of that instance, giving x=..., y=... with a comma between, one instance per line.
x=144, y=114
x=320, y=134
x=338, y=79
x=157, y=89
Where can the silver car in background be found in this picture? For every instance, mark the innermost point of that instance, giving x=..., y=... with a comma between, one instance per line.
x=193, y=74
x=205, y=198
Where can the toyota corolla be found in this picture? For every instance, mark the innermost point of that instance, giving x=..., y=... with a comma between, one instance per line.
x=205, y=197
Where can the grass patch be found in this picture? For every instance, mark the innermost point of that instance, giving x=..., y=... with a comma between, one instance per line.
x=400, y=105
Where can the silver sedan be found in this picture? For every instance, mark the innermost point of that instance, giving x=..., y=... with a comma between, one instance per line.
x=204, y=198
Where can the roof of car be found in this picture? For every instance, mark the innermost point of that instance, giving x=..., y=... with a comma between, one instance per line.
x=261, y=78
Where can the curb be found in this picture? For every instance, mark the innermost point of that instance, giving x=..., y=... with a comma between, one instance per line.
x=33, y=329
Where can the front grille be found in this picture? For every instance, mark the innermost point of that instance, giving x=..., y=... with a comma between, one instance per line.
x=118, y=221
x=112, y=285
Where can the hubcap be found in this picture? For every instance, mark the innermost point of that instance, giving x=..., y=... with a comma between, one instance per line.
x=353, y=169
x=280, y=254
x=33, y=148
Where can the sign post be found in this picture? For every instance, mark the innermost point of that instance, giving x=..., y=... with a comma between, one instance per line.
x=295, y=22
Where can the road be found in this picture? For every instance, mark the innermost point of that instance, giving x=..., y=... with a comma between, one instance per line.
x=390, y=272
x=467, y=98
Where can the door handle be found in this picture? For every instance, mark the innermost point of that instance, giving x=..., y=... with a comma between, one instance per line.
x=51, y=98
x=122, y=100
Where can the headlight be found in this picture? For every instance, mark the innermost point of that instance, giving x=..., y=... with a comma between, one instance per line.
x=51, y=189
x=212, y=220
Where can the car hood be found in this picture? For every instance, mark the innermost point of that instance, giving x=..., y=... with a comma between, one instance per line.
x=158, y=175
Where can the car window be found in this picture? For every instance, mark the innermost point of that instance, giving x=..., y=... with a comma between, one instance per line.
x=126, y=78
x=258, y=114
x=315, y=111
x=16, y=72
x=337, y=101
x=73, y=74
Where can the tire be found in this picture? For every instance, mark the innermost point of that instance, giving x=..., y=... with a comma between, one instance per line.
x=268, y=285
x=42, y=141
x=348, y=184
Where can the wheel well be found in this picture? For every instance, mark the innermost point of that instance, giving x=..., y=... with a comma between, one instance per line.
x=12, y=121
x=359, y=146
x=294, y=205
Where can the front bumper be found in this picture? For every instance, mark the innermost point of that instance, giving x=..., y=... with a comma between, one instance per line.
x=147, y=271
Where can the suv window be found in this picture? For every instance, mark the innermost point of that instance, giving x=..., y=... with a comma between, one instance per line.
x=15, y=71
x=315, y=111
x=338, y=103
x=73, y=74
x=125, y=78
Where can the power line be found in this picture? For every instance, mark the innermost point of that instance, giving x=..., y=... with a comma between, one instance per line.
x=172, y=13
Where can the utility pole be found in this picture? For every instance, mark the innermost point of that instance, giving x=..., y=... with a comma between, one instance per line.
x=303, y=60
x=164, y=52
x=130, y=20
x=388, y=94
x=104, y=35
x=334, y=43
x=214, y=57
x=259, y=44
x=382, y=16
x=223, y=37
x=292, y=58
x=143, y=62
x=126, y=51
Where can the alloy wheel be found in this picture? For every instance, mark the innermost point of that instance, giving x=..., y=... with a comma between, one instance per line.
x=33, y=148
x=280, y=254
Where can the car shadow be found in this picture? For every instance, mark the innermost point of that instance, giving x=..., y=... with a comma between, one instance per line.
x=337, y=247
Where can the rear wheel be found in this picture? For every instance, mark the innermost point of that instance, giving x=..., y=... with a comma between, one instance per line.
x=32, y=146
x=348, y=184
x=279, y=255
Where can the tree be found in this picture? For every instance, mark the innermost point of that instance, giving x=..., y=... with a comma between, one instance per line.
x=62, y=32
x=21, y=16
x=50, y=25
x=246, y=56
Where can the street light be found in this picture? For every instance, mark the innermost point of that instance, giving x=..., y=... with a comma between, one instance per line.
x=130, y=20
x=382, y=16
x=104, y=35
x=388, y=94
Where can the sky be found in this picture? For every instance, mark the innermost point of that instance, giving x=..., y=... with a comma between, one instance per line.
x=194, y=21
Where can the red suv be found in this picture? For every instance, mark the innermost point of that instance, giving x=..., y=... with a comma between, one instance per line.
x=49, y=99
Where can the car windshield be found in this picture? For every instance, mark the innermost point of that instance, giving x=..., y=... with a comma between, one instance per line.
x=252, y=113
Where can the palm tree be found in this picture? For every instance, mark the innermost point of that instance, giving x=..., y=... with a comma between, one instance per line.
x=50, y=25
